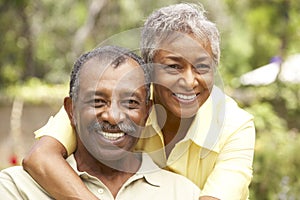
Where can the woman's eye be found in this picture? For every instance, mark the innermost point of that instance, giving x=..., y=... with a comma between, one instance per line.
x=173, y=68
x=202, y=68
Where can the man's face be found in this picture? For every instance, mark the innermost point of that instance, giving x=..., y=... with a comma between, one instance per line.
x=183, y=75
x=111, y=108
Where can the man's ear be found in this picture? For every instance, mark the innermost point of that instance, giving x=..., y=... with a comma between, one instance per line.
x=68, y=105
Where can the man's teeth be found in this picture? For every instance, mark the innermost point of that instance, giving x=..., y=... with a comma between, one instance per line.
x=112, y=136
x=185, y=97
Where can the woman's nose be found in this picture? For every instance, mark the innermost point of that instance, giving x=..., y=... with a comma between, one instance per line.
x=188, y=79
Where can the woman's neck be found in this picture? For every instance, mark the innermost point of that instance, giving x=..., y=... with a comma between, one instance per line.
x=173, y=129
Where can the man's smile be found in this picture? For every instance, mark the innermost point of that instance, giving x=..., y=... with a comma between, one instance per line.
x=112, y=136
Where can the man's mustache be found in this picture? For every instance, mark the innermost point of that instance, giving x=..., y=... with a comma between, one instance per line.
x=126, y=127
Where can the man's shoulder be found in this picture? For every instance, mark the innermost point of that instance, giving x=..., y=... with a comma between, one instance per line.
x=13, y=172
x=163, y=177
x=175, y=178
x=175, y=183
x=16, y=183
x=17, y=176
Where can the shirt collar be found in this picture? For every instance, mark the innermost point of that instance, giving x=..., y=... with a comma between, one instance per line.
x=148, y=170
x=207, y=125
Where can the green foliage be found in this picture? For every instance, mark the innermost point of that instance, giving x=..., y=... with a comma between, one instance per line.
x=35, y=91
x=276, y=108
x=276, y=166
x=257, y=31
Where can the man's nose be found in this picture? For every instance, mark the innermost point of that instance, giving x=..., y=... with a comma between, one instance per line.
x=113, y=114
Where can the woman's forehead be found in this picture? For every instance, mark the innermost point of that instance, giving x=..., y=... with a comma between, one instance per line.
x=183, y=47
x=184, y=43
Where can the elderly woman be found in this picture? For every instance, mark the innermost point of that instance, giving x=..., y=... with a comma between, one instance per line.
x=194, y=129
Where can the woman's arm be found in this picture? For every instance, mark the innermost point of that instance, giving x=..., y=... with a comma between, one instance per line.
x=47, y=165
x=208, y=198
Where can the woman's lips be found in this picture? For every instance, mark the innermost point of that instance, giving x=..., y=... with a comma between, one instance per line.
x=186, y=98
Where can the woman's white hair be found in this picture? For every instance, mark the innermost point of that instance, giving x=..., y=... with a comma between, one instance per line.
x=182, y=18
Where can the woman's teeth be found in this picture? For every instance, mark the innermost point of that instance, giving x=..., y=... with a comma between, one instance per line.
x=185, y=97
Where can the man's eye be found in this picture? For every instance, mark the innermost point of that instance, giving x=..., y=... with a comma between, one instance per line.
x=98, y=103
x=130, y=103
x=202, y=68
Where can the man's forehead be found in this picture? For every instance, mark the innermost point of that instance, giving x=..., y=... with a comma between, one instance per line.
x=96, y=63
x=118, y=87
x=127, y=75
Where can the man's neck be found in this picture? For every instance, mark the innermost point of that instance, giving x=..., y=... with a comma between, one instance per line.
x=111, y=173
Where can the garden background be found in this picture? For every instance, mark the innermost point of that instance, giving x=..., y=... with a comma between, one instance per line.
x=40, y=40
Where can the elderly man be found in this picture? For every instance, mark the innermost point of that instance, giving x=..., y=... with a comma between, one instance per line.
x=108, y=106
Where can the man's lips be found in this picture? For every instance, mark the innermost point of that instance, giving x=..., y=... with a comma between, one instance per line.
x=112, y=136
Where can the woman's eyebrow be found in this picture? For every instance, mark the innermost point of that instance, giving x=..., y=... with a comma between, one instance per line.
x=176, y=58
x=203, y=58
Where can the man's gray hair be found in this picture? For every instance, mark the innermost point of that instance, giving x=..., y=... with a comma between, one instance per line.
x=182, y=18
x=115, y=56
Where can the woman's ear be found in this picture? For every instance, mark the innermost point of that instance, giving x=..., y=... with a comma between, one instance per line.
x=68, y=105
x=149, y=108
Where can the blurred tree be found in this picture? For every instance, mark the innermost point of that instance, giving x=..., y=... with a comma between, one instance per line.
x=259, y=30
x=42, y=38
x=94, y=8
x=17, y=44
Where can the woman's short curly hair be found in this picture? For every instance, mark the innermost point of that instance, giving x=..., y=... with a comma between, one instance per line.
x=182, y=18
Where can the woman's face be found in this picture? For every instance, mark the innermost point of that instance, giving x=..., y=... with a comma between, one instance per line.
x=183, y=75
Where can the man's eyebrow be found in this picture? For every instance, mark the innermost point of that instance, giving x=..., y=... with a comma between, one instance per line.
x=92, y=93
